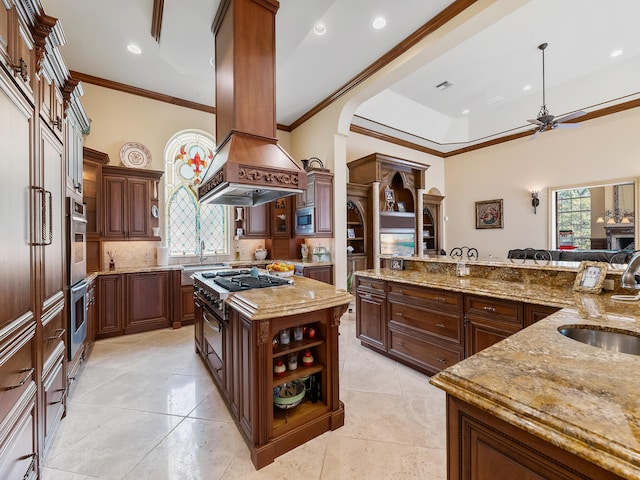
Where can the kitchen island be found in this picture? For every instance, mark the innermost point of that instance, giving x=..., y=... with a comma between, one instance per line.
x=246, y=336
x=536, y=404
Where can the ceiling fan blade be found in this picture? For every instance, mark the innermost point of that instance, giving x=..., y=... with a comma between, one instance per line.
x=571, y=116
x=567, y=125
x=535, y=122
x=538, y=130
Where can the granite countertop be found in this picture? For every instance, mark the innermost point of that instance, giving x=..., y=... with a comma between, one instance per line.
x=581, y=398
x=304, y=295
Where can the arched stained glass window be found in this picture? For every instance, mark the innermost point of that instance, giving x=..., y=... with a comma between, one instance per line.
x=189, y=223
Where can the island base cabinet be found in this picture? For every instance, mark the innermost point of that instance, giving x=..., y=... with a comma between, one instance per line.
x=246, y=378
x=483, y=447
x=427, y=355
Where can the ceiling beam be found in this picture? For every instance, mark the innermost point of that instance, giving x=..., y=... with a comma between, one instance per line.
x=156, y=19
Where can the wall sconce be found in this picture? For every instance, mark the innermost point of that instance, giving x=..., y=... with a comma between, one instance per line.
x=534, y=200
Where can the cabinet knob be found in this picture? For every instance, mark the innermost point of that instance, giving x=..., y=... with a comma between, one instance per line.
x=489, y=308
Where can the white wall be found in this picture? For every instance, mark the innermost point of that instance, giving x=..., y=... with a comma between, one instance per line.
x=603, y=149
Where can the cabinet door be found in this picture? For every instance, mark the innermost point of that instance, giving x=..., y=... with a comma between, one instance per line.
x=534, y=313
x=15, y=250
x=257, y=224
x=371, y=324
x=138, y=205
x=109, y=306
x=54, y=253
x=482, y=333
x=147, y=301
x=324, y=206
x=114, y=189
x=187, y=307
x=322, y=274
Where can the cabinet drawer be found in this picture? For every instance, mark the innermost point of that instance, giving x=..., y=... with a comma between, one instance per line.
x=441, y=323
x=427, y=355
x=370, y=285
x=54, y=399
x=427, y=296
x=502, y=310
x=54, y=332
x=18, y=458
x=16, y=372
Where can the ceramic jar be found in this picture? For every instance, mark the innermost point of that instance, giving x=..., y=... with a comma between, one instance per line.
x=307, y=358
x=292, y=362
x=279, y=369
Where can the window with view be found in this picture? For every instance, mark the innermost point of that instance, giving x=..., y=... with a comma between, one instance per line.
x=190, y=224
x=573, y=218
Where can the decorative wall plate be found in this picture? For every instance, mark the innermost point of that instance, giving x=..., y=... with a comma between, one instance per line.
x=135, y=155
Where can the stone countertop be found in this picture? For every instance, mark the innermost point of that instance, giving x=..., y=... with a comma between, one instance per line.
x=581, y=398
x=303, y=296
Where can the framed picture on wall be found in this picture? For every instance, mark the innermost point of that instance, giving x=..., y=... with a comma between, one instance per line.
x=489, y=214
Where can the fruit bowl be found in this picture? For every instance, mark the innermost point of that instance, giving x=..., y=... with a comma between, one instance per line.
x=281, y=269
x=288, y=395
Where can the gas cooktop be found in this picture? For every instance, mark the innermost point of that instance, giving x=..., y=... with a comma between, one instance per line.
x=246, y=282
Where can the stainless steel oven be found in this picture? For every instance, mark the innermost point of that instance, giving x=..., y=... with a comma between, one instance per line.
x=77, y=317
x=77, y=240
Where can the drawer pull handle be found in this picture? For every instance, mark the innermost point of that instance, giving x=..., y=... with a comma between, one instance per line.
x=441, y=360
x=401, y=343
x=489, y=308
x=399, y=314
x=28, y=371
x=441, y=325
x=34, y=458
x=58, y=334
x=64, y=394
x=367, y=296
x=400, y=291
x=440, y=299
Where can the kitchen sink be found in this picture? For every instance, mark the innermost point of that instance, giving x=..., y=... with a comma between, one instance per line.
x=188, y=270
x=615, y=340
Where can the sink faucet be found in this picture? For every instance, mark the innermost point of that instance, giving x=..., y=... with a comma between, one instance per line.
x=202, y=257
x=630, y=278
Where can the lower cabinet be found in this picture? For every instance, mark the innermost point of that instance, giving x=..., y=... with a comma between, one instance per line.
x=487, y=448
x=55, y=393
x=187, y=308
x=371, y=312
x=134, y=302
x=148, y=301
x=431, y=329
x=322, y=273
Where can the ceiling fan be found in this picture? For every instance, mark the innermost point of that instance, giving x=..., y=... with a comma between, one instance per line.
x=545, y=120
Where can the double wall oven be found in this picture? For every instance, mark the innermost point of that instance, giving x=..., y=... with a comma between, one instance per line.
x=76, y=226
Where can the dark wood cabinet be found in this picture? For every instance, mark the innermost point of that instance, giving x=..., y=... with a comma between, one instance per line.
x=322, y=273
x=256, y=222
x=148, y=301
x=533, y=313
x=432, y=205
x=319, y=196
x=481, y=446
x=187, y=307
x=489, y=320
x=357, y=233
x=110, y=306
x=371, y=312
x=130, y=212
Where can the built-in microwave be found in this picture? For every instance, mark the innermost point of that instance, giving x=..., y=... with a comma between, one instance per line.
x=304, y=221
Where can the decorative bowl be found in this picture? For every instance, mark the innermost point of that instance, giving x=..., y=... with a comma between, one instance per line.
x=288, y=273
x=288, y=395
x=260, y=254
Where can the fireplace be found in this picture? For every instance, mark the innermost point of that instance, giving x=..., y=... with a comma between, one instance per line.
x=620, y=236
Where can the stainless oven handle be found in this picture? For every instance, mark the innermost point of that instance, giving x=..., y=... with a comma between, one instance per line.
x=210, y=324
x=82, y=284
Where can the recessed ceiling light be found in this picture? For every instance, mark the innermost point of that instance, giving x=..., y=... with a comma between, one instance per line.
x=134, y=49
x=616, y=53
x=444, y=85
x=319, y=29
x=465, y=111
x=212, y=61
x=526, y=88
x=379, y=23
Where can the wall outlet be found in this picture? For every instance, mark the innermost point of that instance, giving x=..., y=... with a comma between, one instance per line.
x=608, y=284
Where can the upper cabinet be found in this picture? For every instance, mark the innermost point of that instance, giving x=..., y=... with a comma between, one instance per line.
x=319, y=197
x=432, y=206
x=130, y=203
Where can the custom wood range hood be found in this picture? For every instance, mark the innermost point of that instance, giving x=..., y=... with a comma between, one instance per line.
x=249, y=167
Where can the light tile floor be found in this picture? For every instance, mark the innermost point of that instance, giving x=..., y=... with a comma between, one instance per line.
x=145, y=408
